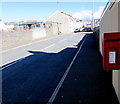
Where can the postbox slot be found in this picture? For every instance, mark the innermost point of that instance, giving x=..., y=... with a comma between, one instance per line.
x=112, y=36
x=112, y=40
x=111, y=44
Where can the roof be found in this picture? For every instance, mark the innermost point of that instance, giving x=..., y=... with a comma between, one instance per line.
x=65, y=14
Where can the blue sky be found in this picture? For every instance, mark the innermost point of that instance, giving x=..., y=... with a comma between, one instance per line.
x=18, y=11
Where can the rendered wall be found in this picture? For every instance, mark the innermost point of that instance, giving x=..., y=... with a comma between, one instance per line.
x=62, y=21
x=110, y=22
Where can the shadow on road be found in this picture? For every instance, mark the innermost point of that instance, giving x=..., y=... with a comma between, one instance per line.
x=34, y=79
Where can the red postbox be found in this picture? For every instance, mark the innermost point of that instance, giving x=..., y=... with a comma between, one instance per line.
x=111, y=51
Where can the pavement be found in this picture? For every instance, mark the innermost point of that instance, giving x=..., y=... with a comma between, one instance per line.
x=87, y=82
x=34, y=77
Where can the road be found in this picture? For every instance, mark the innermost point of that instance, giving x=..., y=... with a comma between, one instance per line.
x=31, y=73
x=44, y=45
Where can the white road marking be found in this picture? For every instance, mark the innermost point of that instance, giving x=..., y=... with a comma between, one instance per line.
x=64, y=76
x=47, y=47
x=53, y=44
x=29, y=44
x=11, y=64
x=24, y=58
x=40, y=50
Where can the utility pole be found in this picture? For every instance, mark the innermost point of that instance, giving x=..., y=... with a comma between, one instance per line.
x=58, y=5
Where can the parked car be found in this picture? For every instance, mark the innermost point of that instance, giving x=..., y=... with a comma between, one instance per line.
x=88, y=29
x=76, y=30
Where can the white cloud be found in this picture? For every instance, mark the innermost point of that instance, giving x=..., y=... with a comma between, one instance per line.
x=99, y=12
x=87, y=14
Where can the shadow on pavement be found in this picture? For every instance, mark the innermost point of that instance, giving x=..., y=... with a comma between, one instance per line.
x=34, y=79
x=87, y=82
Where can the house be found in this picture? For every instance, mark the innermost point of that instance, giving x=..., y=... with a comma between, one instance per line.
x=65, y=22
x=2, y=26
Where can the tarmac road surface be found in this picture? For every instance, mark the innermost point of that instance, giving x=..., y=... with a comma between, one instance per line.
x=31, y=73
x=64, y=69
